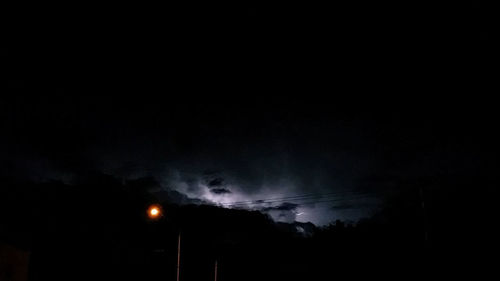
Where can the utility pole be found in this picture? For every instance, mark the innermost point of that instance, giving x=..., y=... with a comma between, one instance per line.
x=215, y=270
x=178, y=256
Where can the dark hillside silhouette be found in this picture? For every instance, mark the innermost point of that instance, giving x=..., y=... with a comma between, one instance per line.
x=98, y=229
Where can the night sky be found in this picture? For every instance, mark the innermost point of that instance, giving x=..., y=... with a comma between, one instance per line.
x=342, y=103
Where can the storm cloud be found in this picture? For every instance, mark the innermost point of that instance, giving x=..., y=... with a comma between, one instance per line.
x=220, y=152
x=220, y=190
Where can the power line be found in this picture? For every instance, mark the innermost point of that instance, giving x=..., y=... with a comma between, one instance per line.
x=306, y=201
x=333, y=200
x=298, y=198
x=298, y=201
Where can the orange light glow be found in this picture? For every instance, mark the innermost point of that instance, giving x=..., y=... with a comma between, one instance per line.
x=154, y=212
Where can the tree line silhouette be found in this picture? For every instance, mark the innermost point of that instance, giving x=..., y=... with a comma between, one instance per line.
x=97, y=229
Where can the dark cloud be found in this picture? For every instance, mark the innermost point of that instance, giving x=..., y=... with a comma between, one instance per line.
x=216, y=182
x=266, y=148
x=282, y=207
x=246, y=152
x=213, y=179
x=220, y=191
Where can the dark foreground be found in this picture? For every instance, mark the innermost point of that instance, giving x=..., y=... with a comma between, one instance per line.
x=55, y=232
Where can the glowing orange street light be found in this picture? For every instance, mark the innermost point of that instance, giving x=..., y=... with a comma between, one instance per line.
x=154, y=212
